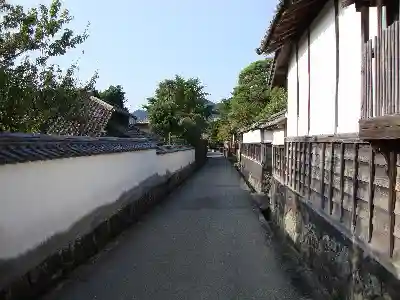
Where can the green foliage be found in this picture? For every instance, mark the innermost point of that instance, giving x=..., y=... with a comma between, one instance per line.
x=251, y=101
x=114, y=95
x=277, y=102
x=250, y=95
x=224, y=126
x=33, y=93
x=179, y=108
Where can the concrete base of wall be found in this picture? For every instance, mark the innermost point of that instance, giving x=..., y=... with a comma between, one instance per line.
x=255, y=174
x=40, y=269
x=340, y=266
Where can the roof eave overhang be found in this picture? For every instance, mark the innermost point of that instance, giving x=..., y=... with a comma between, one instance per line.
x=292, y=19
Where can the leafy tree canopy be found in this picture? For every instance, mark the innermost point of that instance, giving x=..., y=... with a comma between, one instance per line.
x=179, y=107
x=114, y=95
x=251, y=100
x=251, y=94
x=33, y=93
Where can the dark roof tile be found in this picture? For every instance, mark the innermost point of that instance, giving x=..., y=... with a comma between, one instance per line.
x=18, y=148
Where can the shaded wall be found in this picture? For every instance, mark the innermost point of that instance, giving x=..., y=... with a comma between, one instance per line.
x=255, y=165
x=64, y=198
x=330, y=198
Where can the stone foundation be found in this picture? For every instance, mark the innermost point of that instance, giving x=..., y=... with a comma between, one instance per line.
x=340, y=265
x=27, y=279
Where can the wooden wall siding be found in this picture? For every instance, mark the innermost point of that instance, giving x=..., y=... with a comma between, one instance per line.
x=278, y=170
x=381, y=74
x=252, y=150
x=348, y=183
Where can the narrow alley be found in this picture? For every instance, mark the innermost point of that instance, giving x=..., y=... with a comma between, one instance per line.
x=204, y=242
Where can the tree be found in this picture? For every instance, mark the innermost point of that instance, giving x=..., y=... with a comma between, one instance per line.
x=221, y=130
x=114, y=95
x=33, y=93
x=277, y=102
x=179, y=107
x=251, y=93
x=252, y=100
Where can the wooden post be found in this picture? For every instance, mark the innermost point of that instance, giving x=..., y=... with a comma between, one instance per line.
x=371, y=192
x=355, y=186
x=291, y=165
x=330, y=190
x=322, y=183
x=379, y=16
x=304, y=168
x=392, y=165
x=295, y=166
x=342, y=166
x=309, y=169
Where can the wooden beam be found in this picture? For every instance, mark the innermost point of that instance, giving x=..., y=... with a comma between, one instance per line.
x=378, y=128
x=337, y=138
x=364, y=25
x=336, y=4
x=379, y=4
x=297, y=87
x=309, y=80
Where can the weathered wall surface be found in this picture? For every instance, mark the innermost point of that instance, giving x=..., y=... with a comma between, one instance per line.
x=342, y=266
x=58, y=212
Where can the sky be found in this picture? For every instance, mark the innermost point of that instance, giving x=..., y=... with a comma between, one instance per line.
x=138, y=43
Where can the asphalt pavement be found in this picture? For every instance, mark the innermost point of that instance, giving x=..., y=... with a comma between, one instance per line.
x=204, y=242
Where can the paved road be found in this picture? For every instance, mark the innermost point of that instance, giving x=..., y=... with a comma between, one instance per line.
x=204, y=242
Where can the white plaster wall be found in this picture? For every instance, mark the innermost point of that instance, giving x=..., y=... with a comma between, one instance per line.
x=253, y=136
x=172, y=162
x=40, y=199
x=303, y=85
x=323, y=72
x=349, y=98
x=267, y=136
x=278, y=137
x=292, y=96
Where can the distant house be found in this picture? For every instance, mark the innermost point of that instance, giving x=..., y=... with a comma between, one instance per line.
x=259, y=143
x=340, y=63
x=100, y=119
x=144, y=125
x=95, y=116
x=140, y=115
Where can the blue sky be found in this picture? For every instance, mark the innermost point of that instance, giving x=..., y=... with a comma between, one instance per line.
x=137, y=43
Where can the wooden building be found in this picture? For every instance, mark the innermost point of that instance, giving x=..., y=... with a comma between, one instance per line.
x=336, y=176
x=258, y=145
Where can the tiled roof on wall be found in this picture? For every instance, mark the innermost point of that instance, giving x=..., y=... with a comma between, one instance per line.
x=19, y=148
